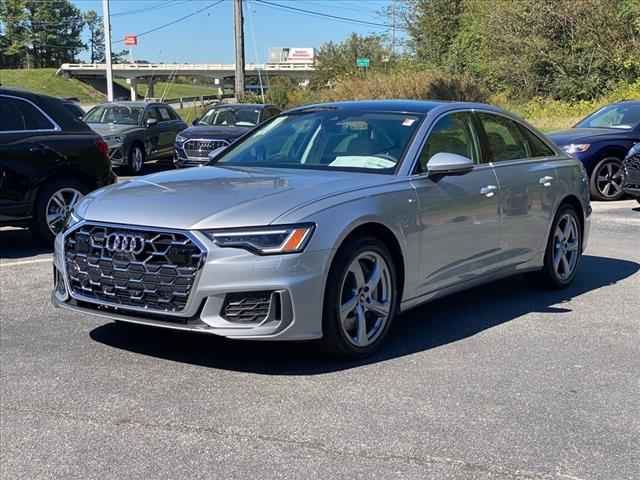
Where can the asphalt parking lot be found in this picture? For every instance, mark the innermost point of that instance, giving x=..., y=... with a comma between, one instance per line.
x=501, y=382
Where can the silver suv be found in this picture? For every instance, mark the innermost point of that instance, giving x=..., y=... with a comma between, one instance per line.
x=326, y=222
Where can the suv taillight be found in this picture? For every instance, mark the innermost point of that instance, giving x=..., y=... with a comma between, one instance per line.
x=103, y=148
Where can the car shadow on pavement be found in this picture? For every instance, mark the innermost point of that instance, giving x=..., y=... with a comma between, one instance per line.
x=19, y=243
x=437, y=323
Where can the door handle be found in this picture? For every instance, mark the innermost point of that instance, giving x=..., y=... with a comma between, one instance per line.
x=545, y=181
x=488, y=191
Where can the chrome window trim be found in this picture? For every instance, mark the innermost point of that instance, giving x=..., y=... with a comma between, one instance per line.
x=188, y=310
x=56, y=127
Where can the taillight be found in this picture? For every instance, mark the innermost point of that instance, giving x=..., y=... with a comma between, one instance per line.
x=103, y=148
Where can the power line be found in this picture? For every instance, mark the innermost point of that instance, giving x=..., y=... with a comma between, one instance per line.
x=323, y=15
x=177, y=20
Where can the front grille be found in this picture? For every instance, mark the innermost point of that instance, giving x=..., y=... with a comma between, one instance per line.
x=156, y=271
x=202, y=147
x=247, y=307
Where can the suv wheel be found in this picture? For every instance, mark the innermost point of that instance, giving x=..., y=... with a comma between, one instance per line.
x=360, y=300
x=607, y=180
x=136, y=159
x=53, y=205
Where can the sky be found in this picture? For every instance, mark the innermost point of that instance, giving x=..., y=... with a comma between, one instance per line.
x=208, y=36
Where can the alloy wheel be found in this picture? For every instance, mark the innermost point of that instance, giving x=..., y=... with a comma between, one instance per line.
x=59, y=207
x=137, y=159
x=609, y=179
x=365, y=299
x=566, y=246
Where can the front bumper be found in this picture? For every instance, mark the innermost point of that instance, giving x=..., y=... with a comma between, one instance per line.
x=296, y=281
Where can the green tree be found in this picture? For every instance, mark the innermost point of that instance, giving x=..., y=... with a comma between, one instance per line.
x=14, y=33
x=96, y=36
x=336, y=60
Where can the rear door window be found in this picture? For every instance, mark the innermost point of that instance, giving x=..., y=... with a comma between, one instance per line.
x=20, y=115
x=163, y=114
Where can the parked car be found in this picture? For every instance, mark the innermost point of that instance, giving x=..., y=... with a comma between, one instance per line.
x=220, y=126
x=328, y=221
x=136, y=131
x=632, y=172
x=600, y=141
x=48, y=160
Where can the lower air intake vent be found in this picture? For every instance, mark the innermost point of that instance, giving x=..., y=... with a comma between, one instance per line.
x=249, y=307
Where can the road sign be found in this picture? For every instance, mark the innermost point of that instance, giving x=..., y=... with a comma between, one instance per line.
x=362, y=62
x=131, y=40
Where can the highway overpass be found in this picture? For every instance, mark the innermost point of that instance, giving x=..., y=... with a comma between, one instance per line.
x=152, y=72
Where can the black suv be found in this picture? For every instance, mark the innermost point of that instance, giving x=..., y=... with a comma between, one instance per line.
x=49, y=159
x=219, y=127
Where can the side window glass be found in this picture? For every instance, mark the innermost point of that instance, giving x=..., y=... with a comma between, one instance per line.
x=150, y=113
x=537, y=148
x=20, y=115
x=163, y=113
x=504, y=138
x=453, y=133
x=11, y=119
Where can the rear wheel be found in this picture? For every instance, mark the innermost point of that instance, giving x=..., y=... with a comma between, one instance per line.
x=360, y=300
x=564, y=250
x=55, y=202
x=607, y=180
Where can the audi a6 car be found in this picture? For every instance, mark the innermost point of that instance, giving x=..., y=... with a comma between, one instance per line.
x=48, y=160
x=632, y=172
x=326, y=222
x=217, y=129
x=600, y=141
x=136, y=131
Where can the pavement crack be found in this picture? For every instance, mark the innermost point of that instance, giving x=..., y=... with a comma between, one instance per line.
x=422, y=460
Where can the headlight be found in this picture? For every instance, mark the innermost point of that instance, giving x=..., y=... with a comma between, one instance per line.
x=180, y=139
x=576, y=148
x=113, y=141
x=265, y=240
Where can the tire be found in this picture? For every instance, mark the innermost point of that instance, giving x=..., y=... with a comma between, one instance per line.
x=362, y=329
x=54, y=202
x=135, y=159
x=607, y=179
x=552, y=277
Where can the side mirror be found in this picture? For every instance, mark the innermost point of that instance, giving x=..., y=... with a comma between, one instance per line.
x=195, y=122
x=151, y=122
x=445, y=163
x=213, y=154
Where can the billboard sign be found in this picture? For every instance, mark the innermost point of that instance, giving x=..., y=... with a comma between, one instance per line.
x=292, y=55
x=131, y=40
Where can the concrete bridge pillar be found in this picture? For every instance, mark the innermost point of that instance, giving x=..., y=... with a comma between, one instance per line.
x=133, y=85
x=151, y=88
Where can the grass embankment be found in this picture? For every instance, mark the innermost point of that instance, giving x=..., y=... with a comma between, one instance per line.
x=45, y=80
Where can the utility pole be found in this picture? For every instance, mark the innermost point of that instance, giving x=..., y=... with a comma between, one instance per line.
x=239, y=30
x=107, y=48
x=393, y=28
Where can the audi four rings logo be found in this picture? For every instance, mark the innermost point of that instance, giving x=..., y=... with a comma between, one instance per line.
x=124, y=243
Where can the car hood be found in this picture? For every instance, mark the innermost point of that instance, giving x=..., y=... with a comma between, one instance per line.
x=217, y=197
x=108, y=129
x=585, y=135
x=226, y=133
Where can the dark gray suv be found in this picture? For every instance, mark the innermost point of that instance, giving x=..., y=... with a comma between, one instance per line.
x=136, y=131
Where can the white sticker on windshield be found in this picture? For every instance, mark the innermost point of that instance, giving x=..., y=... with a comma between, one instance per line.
x=408, y=122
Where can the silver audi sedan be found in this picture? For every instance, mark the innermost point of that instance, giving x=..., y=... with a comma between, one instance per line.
x=328, y=221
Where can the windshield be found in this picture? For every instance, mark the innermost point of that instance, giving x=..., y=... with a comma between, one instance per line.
x=238, y=117
x=625, y=116
x=118, y=114
x=328, y=139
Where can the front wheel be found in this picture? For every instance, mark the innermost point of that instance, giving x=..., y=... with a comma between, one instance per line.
x=361, y=299
x=564, y=250
x=607, y=180
x=136, y=159
x=54, y=204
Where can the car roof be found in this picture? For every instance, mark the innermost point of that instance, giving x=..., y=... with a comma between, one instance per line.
x=398, y=106
x=140, y=104
x=243, y=106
